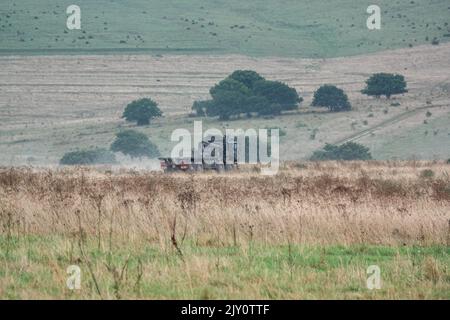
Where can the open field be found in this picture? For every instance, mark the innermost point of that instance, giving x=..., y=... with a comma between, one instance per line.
x=309, y=232
x=289, y=28
x=50, y=105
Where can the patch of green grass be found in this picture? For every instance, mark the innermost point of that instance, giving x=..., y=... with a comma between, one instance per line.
x=36, y=268
x=259, y=27
x=300, y=142
x=411, y=142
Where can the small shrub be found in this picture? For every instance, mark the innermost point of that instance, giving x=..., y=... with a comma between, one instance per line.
x=347, y=151
x=428, y=114
x=88, y=157
x=389, y=188
x=427, y=174
x=135, y=144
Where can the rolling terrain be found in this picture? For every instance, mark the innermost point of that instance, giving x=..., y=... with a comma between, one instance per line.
x=53, y=104
x=289, y=28
x=312, y=231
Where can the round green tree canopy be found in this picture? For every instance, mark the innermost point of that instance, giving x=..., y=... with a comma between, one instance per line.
x=142, y=111
x=385, y=84
x=331, y=97
x=135, y=144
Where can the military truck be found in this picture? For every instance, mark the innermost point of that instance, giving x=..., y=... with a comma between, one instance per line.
x=208, y=161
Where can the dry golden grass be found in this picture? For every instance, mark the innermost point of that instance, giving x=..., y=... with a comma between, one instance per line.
x=384, y=203
x=309, y=232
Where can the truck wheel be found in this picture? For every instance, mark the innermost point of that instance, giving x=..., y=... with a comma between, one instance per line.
x=220, y=168
x=229, y=167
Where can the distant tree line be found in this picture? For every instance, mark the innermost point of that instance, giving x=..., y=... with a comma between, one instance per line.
x=128, y=142
x=247, y=92
x=243, y=92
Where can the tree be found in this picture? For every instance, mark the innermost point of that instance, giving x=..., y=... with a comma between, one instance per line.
x=142, y=111
x=265, y=108
x=246, y=77
x=229, y=98
x=245, y=91
x=88, y=157
x=347, y=151
x=134, y=144
x=385, y=84
x=331, y=97
x=230, y=85
x=259, y=105
x=278, y=93
x=200, y=107
x=226, y=104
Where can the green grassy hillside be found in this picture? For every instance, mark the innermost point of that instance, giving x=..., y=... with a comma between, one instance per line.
x=302, y=134
x=294, y=28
